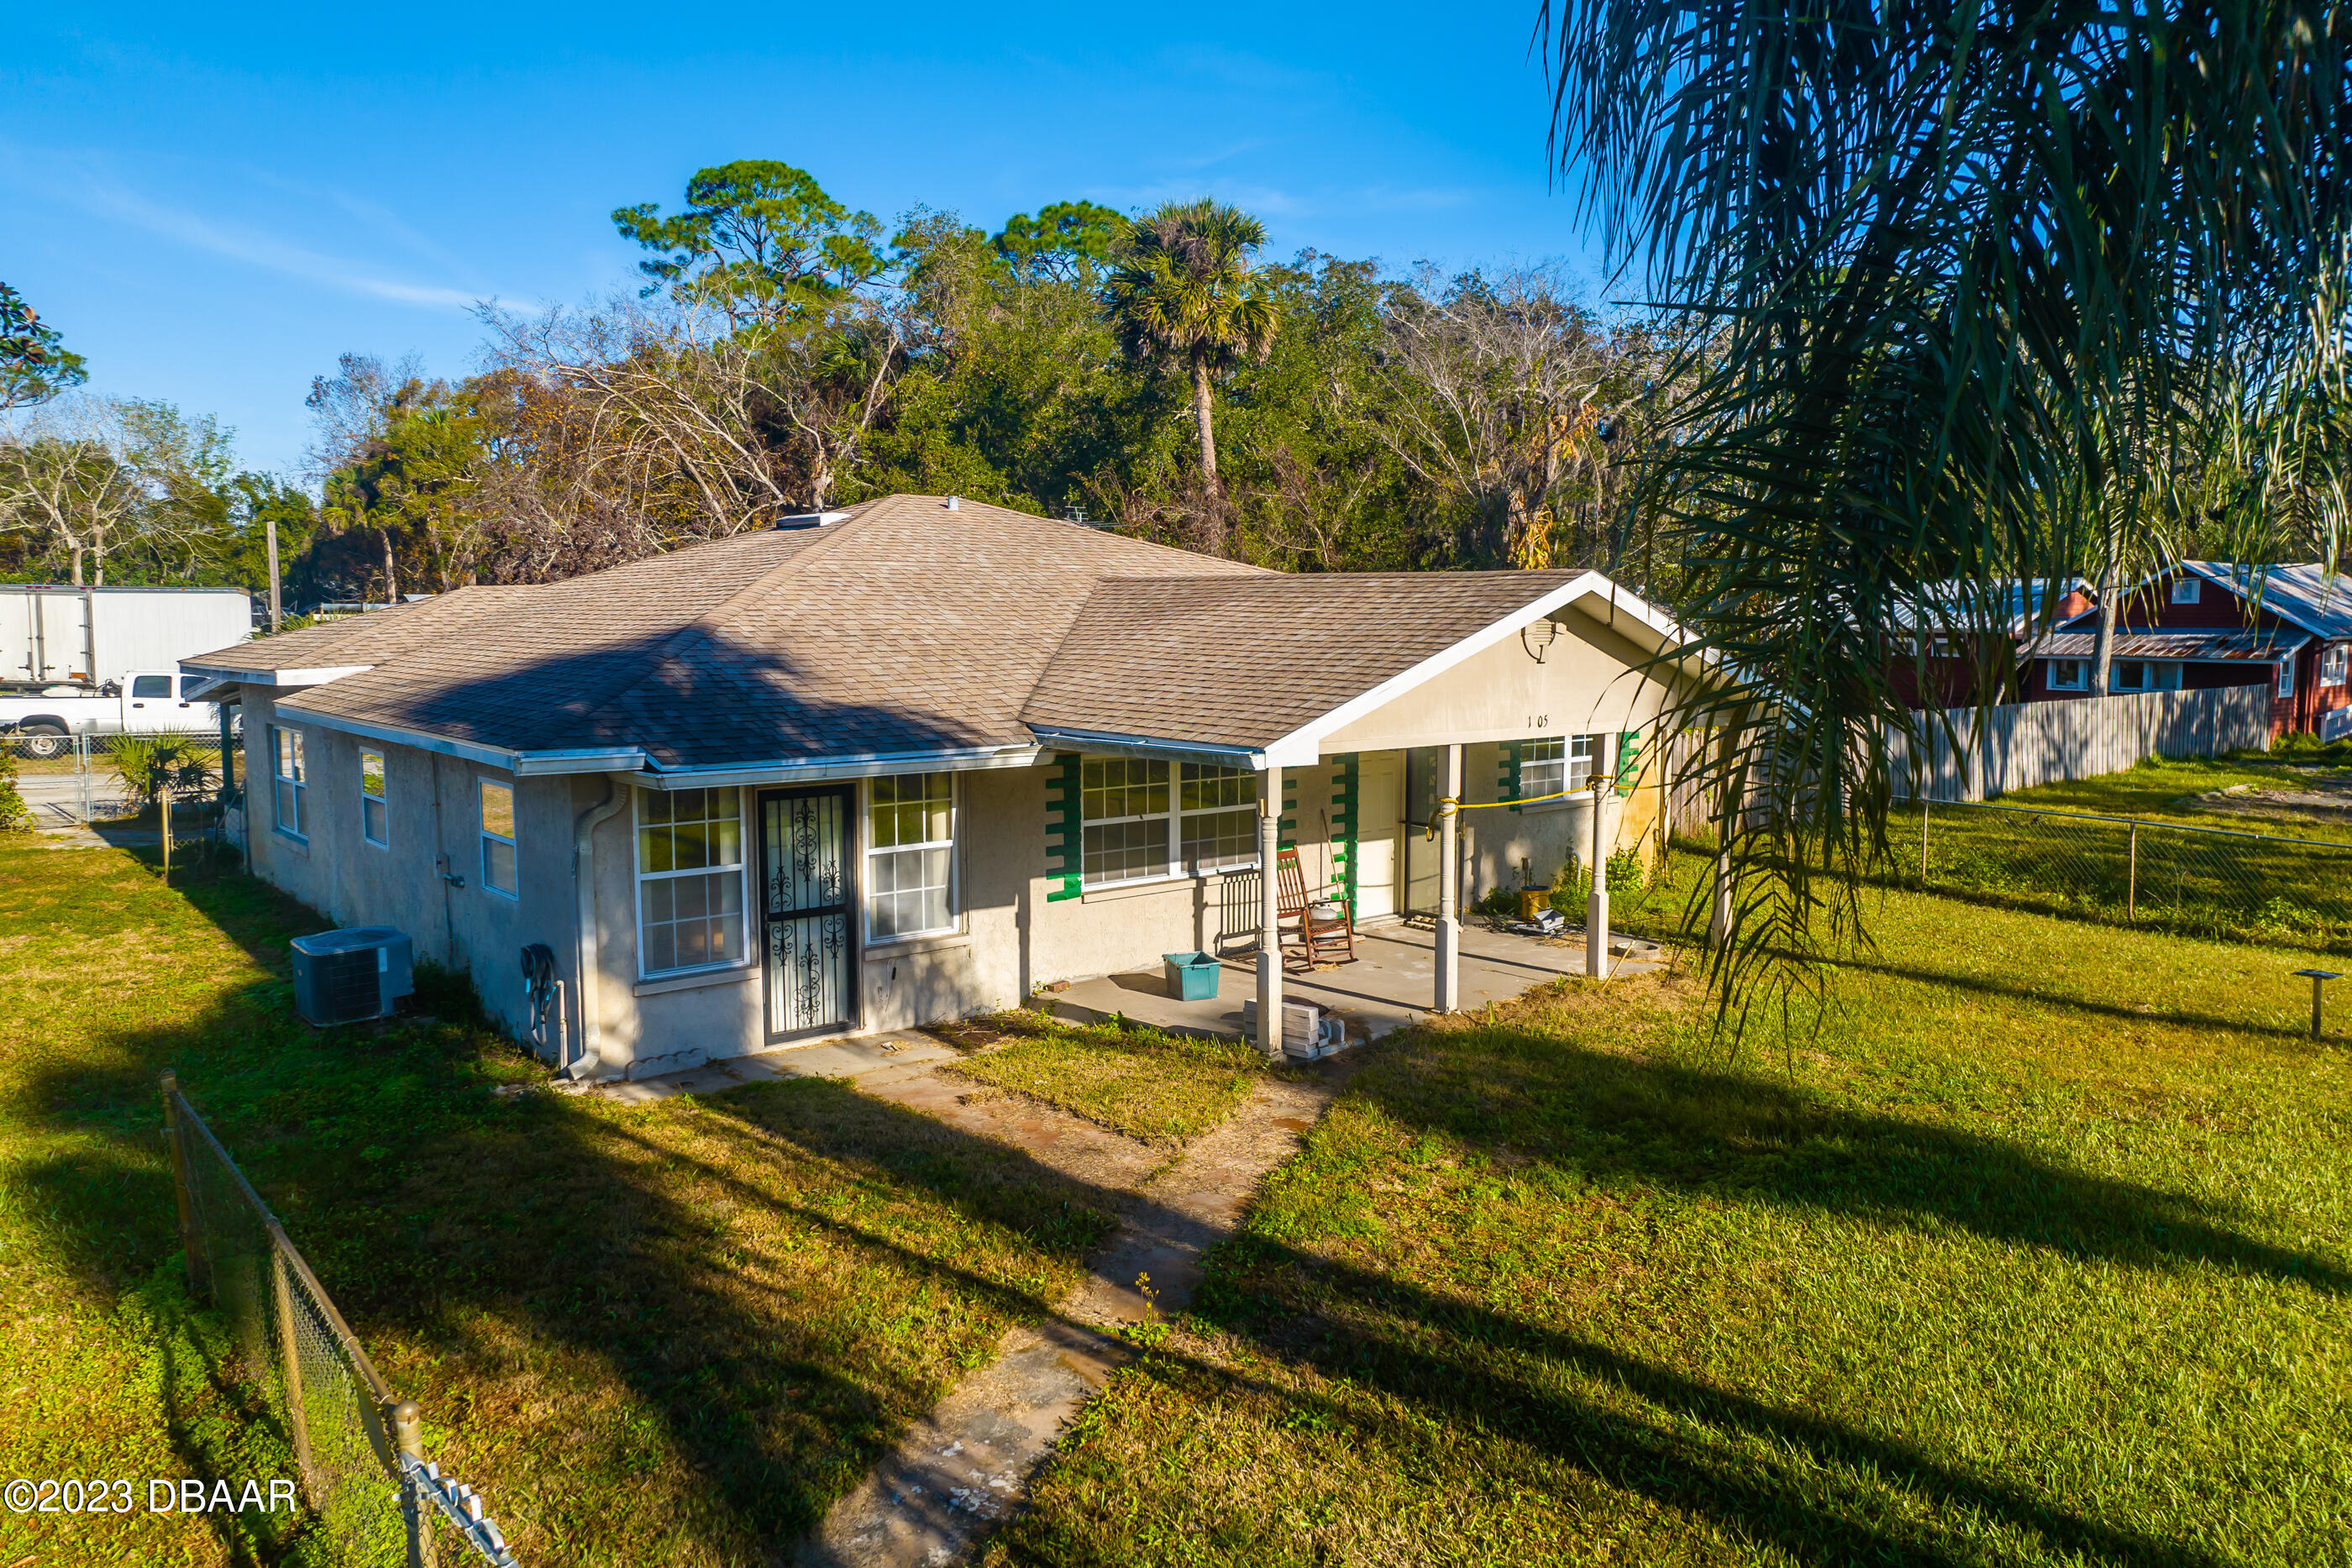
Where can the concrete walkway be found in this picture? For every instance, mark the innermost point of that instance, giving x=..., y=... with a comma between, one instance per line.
x=962, y=1469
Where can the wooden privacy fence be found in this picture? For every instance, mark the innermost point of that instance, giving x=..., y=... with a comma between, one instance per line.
x=2025, y=744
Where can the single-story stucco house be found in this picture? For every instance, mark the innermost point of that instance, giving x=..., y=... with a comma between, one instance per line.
x=913, y=759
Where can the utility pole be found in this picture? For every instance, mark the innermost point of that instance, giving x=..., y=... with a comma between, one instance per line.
x=271, y=524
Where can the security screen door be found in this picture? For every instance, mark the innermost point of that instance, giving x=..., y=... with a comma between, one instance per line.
x=807, y=869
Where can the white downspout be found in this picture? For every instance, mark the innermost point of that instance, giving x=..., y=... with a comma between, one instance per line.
x=587, y=942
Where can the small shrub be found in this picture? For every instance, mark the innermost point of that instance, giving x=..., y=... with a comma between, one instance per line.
x=147, y=763
x=16, y=817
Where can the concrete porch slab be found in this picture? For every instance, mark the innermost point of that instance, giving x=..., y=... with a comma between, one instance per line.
x=1391, y=985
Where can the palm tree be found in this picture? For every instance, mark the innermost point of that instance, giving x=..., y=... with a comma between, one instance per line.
x=1184, y=294
x=1985, y=291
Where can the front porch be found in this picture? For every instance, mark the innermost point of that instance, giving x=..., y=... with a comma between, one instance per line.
x=1390, y=985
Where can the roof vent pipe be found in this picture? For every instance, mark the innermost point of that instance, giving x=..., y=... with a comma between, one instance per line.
x=954, y=503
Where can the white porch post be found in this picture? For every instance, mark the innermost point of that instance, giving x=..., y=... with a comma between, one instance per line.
x=1449, y=890
x=1269, y=940
x=1596, y=908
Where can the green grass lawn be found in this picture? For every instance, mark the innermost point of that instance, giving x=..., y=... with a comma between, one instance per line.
x=671, y=1334
x=2167, y=791
x=1154, y=1087
x=2038, y=1251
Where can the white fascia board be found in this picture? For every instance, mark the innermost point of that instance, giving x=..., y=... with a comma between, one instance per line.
x=1303, y=745
x=318, y=677
x=827, y=769
x=1105, y=743
x=628, y=759
x=489, y=756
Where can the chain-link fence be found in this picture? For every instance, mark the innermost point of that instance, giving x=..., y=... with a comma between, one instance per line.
x=2196, y=881
x=358, y=1452
x=90, y=778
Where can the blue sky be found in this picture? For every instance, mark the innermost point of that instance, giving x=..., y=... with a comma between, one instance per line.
x=212, y=203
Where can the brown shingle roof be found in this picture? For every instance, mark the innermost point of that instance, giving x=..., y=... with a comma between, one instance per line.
x=906, y=627
x=1228, y=663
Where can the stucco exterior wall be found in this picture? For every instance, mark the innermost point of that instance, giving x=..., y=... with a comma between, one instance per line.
x=432, y=826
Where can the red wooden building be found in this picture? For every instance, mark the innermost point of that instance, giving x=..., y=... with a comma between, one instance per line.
x=2212, y=623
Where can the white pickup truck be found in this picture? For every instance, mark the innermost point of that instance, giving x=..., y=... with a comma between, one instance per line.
x=42, y=724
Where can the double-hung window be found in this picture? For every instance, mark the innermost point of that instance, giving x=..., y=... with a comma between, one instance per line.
x=498, y=837
x=2147, y=676
x=290, y=781
x=689, y=879
x=374, y=827
x=1141, y=823
x=2331, y=667
x=1559, y=764
x=2286, y=677
x=910, y=856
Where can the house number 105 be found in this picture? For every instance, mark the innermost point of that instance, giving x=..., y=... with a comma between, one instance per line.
x=1538, y=721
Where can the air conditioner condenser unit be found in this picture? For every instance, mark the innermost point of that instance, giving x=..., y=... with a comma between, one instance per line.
x=352, y=975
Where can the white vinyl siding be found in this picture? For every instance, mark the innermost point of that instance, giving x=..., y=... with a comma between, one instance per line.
x=690, y=871
x=910, y=856
x=374, y=824
x=498, y=837
x=1137, y=826
x=290, y=781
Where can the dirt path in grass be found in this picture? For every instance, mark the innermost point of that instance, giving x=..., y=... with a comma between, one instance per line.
x=966, y=1466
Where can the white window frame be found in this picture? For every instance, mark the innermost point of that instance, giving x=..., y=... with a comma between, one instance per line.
x=2332, y=662
x=2080, y=683
x=872, y=852
x=484, y=838
x=1175, y=867
x=289, y=790
x=382, y=837
x=2285, y=687
x=1566, y=774
x=2188, y=589
x=742, y=869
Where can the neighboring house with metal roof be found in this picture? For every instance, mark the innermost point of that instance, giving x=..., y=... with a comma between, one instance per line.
x=915, y=758
x=2198, y=624
x=1944, y=661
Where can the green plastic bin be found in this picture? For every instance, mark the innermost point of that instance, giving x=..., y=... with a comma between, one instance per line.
x=1191, y=976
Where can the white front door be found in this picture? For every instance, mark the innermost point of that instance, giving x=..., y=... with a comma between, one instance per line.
x=1378, y=787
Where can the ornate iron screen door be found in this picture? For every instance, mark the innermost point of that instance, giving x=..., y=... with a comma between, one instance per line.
x=810, y=903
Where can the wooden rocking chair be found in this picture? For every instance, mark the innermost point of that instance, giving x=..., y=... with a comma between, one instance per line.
x=1303, y=934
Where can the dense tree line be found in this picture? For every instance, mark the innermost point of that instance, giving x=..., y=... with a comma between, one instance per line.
x=1155, y=374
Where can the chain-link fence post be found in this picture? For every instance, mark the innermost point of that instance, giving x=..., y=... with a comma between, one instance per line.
x=289, y=1360
x=191, y=1243
x=2131, y=877
x=408, y=1435
x=1923, y=841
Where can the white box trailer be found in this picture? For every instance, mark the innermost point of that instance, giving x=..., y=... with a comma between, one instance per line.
x=95, y=636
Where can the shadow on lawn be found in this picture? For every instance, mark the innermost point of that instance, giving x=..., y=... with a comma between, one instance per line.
x=473, y=1230
x=1760, y=1138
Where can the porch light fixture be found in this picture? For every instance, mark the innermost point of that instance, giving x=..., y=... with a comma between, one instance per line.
x=1537, y=636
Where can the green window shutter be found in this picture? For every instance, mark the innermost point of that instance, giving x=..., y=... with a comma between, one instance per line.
x=1507, y=773
x=1289, y=835
x=1343, y=826
x=1629, y=760
x=1065, y=834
